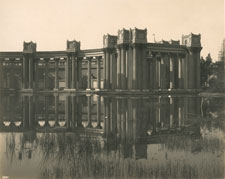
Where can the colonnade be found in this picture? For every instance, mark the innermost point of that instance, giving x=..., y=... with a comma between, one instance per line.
x=136, y=68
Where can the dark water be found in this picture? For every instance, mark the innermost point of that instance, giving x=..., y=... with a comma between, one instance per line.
x=68, y=136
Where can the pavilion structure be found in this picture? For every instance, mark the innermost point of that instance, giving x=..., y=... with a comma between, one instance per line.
x=126, y=63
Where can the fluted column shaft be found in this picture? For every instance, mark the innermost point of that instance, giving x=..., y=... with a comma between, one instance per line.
x=119, y=69
x=89, y=73
x=56, y=74
x=123, y=68
x=74, y=72
x=135, y=66
x=98, y=72
x=67, y=72
x=31, y=72
x=46, y=73
x=171, y=72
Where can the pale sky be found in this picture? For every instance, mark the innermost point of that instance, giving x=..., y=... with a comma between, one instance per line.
x=50, y=23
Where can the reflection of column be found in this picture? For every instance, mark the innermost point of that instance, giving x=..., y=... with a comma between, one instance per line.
x=171, y=72
x=25, y=111
x=99, y=112
x=134, y=114
x=67, y=111
x=113, y=115
x=89, y=125
x=129, y=120
x=79, y=111
x=89, y=74
x=171, y=112
x=107, y=116
x=56, y=74
x=73, y=111
x=31, y=112
x=56, y=109
x=119, y=117
x=46, y=109
x=98, y=73
x=46, y=73
x=123, y=118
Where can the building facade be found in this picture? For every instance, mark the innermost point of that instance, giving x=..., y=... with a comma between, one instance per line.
x=127, y=62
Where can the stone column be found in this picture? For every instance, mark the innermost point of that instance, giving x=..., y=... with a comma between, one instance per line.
x=163, y=73
x=145, y=70
x=25, y=72
x=151, y=78
x=180, y=72
x=99, y=112
x=185, y=71
x=107, y=60
x=130, y=67
x=154, y=72
x=31, y=72
x=46, y=73
x=89, y=73
x=158, y=72
x=1, y=73
x=197, y=61
x=119, y=68
x=36, y=73
x=67, y=72
x=56, y=74
x=104, y=71
x=79, y=73
x=98, y=73
x=167, y=71
x=113, y=71
x=171, y=72
x=74, y=72
x=134, y=81
x=123, y=68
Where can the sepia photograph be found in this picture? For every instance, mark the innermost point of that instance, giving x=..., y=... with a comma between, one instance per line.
x=112, y=89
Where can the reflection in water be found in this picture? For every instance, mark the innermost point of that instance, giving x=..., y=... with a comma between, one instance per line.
x=111, y=136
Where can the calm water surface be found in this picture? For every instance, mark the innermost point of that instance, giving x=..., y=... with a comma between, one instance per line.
x=69, y=136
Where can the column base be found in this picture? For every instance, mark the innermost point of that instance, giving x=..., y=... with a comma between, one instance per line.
x=97, y=89
x=88, y=89
x=56, y=89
